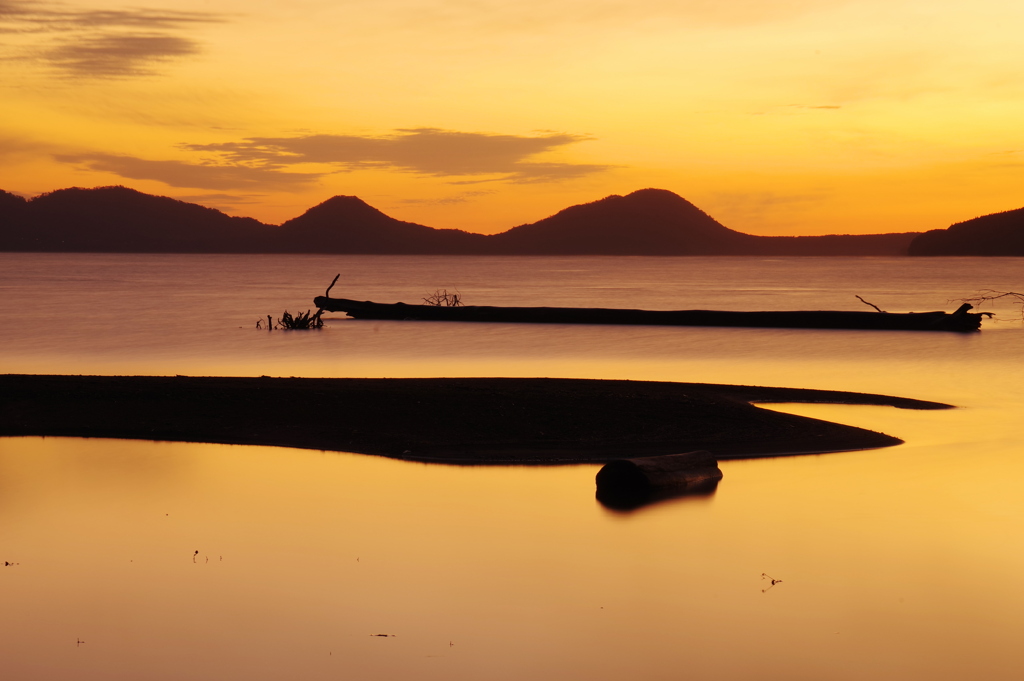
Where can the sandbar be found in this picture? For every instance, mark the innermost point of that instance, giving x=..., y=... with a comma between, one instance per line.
x=444, y=420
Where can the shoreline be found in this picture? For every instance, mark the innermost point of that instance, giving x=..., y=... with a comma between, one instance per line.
x=524, y=421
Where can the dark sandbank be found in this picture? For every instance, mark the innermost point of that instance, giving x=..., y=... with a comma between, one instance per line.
x=450, y=420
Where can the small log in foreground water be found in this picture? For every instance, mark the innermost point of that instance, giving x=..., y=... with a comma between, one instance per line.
x=632, y=482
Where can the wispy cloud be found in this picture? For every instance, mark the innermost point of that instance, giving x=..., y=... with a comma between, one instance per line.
x=196, y=176
x=795, y=109
x=531, y=16
x=217, y=200
x=99, y=43
x=14, y=145
x=426, y=151
x=463, y=197
x=758, y=205
x=239, y=203
x=20, y=16
x=288, y=163
x=119, y=55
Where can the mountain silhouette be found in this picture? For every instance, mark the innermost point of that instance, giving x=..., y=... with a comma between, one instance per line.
x=122, y=220
x=11, y=202
x=645, y=222
x=996, y=234
x=347, y=224
x=659, y=222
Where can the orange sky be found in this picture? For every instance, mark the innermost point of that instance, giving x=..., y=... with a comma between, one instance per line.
x=774, y=116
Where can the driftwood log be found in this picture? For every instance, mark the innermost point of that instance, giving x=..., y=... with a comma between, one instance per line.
x=632, y=482
x=961, y=320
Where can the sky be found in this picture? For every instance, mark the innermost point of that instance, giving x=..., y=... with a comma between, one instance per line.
x=776, y=117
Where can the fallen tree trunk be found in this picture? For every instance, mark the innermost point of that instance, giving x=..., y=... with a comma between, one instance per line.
x=961, y=320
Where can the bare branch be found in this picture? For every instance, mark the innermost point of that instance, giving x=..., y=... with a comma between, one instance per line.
x=303, y=320
x=327, y=293
x=988, y=295
x=441, y=298
x=867, y=303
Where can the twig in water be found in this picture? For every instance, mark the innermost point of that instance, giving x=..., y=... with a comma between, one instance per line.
x=444, y=299
x=988, y=295
x=867, y=303
x=327, y=293
x=303, y=320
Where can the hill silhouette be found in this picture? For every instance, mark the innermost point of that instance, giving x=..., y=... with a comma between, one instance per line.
x=122, y=220
x=996, y=234
x=645, y=222
x=347, y=224
x=11, y=202
x=659, y=222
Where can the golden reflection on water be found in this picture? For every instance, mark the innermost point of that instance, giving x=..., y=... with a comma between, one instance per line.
x=895, y=563
x=902, y=563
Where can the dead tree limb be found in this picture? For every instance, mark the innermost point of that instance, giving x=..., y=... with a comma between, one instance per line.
x=988, y=295
x=444, y=299
x=327, y=293
x=867, y=303
x=302, y=320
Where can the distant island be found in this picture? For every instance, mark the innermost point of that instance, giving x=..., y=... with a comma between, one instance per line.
x=645, y=222
x=996, y=234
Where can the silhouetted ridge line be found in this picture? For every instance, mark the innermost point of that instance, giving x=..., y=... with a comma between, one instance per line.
x=119, y=219
x=645, y=222
x=9, y=201
x=347, y=224
x=995, y=234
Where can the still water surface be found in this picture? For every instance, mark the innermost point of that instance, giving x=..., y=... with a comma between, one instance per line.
x=896, y=563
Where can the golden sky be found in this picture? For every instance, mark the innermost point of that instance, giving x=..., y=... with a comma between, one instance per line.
x=774, y=116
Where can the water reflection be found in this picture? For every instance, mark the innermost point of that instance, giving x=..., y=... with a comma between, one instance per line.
x=631, y=500
x=628, y=484
x=505, y=573
x=895, y=564
x=162, y=340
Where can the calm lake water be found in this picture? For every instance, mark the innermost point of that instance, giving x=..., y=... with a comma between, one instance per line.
x=143, y=560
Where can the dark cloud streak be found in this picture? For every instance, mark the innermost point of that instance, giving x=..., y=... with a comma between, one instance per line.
x=38, y=17
x=269, y=163
x=118, y=55
x=425, y=151
x=101, y=43
x=194, y=176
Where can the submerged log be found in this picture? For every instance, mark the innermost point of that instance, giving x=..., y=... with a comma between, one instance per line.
x=961, y=320
x=628, y=483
